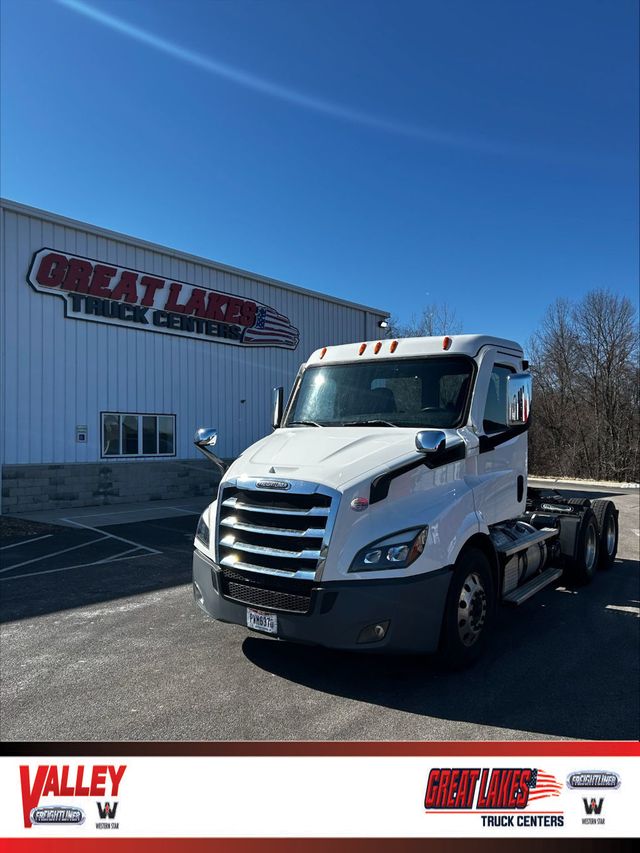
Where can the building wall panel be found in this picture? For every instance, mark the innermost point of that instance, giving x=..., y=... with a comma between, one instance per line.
x=60, y=372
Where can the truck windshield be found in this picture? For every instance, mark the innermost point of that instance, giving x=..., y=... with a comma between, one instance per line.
x=410, y=392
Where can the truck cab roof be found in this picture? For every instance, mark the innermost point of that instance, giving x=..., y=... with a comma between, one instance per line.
x=469, y=345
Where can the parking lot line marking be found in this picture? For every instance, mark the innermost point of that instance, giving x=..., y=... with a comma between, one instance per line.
x=54, y=554
x=117, y=559
x=122, y=553
x=26, y=542
x=633, y=610
x=111, y=535
x=125, y=512
x=121, y=558
x=117, y=512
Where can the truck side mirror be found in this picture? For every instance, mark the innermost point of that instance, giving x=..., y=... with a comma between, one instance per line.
x=431, y=441
x=205, y=440
x=518, y=399
x=276, y=411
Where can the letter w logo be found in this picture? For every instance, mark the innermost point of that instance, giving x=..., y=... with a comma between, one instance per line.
x=593, y=807
x=108, y=811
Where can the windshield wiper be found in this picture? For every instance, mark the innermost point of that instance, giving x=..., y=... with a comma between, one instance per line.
x=372, y=422
x=304, y=423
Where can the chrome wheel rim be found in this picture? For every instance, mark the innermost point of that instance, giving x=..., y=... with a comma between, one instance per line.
x=472, y=609
x=611, y=534
x=590, y=548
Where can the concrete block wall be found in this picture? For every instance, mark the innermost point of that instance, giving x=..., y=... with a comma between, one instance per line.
x=29, y=488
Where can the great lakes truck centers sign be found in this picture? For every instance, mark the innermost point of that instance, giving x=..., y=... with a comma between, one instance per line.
x=120, y=296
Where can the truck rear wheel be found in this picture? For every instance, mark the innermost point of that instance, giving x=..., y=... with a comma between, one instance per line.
x=607, y=517
x=469, y=610
x=585, y=560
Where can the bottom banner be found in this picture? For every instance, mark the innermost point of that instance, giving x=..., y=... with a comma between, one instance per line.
x=321, y=796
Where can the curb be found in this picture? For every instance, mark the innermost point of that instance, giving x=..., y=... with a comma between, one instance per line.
x=606, y=484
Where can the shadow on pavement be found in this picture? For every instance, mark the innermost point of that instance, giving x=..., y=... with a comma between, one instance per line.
x=563, y=664
x=76, y=567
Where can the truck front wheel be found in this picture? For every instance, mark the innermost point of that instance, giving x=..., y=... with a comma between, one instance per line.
x=469, y=610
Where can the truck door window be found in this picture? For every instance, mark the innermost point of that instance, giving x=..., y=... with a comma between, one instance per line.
x=495, y=410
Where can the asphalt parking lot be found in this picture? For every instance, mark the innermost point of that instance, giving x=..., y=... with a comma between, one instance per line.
x=101, y=640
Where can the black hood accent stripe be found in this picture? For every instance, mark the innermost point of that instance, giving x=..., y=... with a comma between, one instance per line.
x=490, y=442
x=380, y=486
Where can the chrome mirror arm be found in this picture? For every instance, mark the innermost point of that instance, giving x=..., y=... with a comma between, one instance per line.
x=205, y=440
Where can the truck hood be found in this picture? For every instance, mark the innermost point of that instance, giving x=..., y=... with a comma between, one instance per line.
x=333, y=456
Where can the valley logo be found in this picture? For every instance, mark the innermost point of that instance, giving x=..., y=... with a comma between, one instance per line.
x=500, y=790
x=58, y=783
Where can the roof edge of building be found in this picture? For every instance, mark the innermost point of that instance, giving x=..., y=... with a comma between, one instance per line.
x=19, y=207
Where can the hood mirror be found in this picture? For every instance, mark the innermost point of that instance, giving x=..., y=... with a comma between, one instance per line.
x=431, y=441
x=205, y=440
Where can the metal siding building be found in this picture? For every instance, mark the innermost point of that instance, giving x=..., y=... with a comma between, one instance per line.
x=60, y=372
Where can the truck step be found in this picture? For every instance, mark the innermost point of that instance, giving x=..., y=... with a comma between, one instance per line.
x=522, y=593
x=527, y=541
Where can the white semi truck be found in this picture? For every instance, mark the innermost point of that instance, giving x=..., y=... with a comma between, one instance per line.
x=389, y=510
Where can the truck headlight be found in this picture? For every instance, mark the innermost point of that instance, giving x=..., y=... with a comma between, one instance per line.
x=393, y=552
x=202, y=530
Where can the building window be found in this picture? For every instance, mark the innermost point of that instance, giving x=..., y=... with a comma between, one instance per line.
x=138, y=435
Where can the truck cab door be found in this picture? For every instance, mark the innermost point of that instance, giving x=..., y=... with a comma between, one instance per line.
x=502, y=450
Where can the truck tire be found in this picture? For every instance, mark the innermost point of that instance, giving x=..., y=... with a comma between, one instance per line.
x=607, y=517
x=469, y=610
x=583, y=565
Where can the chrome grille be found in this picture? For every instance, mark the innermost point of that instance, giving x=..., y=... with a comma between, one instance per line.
x=272, y=532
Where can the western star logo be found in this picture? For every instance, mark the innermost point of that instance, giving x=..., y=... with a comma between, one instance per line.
x=593, y=806
x=107, y=811
x=53, y=781
x=106, y=293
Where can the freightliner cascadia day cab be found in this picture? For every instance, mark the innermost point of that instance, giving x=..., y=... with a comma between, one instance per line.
x=389, y=510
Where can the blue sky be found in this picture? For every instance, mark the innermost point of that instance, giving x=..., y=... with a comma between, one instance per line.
x=392, y=153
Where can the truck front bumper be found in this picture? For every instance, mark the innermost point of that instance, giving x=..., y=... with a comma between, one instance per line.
x=341, y=610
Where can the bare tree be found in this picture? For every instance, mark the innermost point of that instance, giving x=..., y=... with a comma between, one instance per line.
x=585, y=363
x=436, y=318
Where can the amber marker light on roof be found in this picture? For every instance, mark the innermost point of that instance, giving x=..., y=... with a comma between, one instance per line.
x=377, y=347
x=362, y=349
x=394, y=346
x=323, y=352
x=446, y=342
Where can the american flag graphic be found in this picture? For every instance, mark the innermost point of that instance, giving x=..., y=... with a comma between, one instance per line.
x=271, y=328
x=543, y=785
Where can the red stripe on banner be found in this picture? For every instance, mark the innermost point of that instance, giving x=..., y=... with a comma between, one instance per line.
x=336, y=748
x=456, y=812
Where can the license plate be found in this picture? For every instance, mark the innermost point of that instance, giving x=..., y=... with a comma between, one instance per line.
x=261, y=621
